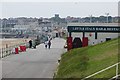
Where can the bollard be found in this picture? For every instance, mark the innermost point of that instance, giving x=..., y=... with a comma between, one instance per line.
x=24, y=48
x=21, y=48
x=16, y=51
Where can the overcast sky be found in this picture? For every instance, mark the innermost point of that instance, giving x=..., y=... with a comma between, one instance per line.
x=64, y=9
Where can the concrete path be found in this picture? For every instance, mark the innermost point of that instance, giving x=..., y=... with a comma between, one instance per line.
x=34, y=63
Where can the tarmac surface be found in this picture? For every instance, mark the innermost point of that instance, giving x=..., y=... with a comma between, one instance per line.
x=34, y=63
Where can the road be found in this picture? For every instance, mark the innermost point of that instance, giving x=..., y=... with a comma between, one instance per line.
x=34, y=63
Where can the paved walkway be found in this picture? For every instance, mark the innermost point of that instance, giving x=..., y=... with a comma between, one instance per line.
x=34, y=63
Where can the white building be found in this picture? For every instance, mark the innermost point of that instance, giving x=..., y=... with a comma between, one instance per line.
x=101, y=36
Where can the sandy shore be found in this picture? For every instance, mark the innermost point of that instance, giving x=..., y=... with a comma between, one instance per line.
x=11, y=42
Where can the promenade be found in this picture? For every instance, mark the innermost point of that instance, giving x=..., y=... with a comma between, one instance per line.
x=34, y=63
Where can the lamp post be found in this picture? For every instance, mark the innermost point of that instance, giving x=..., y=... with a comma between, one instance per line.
x=107, y=16
x=90, y=18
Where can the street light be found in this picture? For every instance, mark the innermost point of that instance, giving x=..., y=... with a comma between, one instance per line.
x=90, y=18
x=107, y=16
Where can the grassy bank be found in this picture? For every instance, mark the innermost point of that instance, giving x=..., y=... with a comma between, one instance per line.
x=81, y=62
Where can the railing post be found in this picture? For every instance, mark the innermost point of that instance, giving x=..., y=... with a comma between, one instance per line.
x=1, y=52
x=117, y=71
x=4, y=52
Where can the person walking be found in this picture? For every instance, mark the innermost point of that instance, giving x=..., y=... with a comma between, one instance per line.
x=49, y=44
x=30, y=44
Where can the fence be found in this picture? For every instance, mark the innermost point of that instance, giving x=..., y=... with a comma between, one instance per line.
x=10, y=50
x=116, y=75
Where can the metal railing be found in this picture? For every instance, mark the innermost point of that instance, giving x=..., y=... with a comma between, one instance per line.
x=116, y=75
x=9, y=50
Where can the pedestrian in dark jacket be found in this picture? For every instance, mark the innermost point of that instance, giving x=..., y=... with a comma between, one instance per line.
x=49, y=44
x=30, y=44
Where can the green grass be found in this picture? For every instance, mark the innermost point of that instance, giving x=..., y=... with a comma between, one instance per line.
x=81, y=62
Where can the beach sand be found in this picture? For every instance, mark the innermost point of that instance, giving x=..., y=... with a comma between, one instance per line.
x=11, y=42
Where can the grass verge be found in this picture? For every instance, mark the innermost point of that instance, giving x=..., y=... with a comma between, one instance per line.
x=81, y=62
